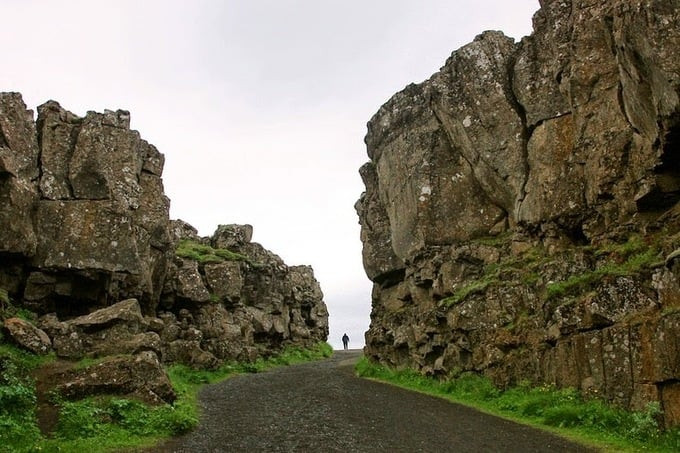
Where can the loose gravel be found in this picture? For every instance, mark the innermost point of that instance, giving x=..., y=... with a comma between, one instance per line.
x=323, y=407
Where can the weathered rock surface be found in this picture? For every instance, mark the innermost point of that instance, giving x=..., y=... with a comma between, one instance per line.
x=118, y=329
x=247, y=303
x=84, y=215
x=18, y=174
x=140, y=376
x=521, y=207
x=86, y=242
x=26, y=335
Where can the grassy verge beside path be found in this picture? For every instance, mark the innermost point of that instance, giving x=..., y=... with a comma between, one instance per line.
x=101, y=424
x=563, y=412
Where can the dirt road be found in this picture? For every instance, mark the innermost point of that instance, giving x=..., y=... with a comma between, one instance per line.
x=322, y=407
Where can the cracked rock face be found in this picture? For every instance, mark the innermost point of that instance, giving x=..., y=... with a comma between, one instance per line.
x=85, y=241
x=84, y=215
x=568, y=138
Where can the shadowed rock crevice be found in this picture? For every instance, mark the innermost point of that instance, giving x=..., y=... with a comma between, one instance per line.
x=666, y=193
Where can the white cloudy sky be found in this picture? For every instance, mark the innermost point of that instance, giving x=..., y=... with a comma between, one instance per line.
x=259, y=106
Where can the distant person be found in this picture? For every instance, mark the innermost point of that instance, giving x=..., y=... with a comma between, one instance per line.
x=345, y=341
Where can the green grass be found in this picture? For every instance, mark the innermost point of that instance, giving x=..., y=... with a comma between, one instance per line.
x=18, y=427
x=107, y=423
x=205, y=254
x=563, y=411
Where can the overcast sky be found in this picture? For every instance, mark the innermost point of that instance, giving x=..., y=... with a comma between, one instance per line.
x=260, y=107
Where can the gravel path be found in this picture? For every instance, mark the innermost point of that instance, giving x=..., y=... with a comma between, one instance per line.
x=322, y=407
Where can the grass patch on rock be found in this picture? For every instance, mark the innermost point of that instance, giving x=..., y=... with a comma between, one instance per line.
x=562, y=411
x=108, y=423
x=493, y=274
x=616, y=260
x=205, y=254
x=621, y=260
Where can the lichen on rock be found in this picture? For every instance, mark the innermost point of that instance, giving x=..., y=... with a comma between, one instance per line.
x=86, y=243
x=521, y=204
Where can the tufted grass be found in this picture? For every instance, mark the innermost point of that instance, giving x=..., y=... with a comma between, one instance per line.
x=205, y=254
x=562, y=411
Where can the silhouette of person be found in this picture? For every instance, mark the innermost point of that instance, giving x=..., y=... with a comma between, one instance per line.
x=345, y=341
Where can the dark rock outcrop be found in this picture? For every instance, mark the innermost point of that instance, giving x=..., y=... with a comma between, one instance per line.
x=140, y=376
x=243, y=300
x=84, y=219
x=84, y=225
x=521, y=207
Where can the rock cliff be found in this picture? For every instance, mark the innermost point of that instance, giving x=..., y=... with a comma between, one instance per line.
x=521, y=214
x=86, y=243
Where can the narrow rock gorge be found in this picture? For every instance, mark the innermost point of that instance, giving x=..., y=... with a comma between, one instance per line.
x=521, y=215
x=86, y=244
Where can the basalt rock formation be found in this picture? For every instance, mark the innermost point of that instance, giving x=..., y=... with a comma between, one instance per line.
x=86, y=244
x=521, y=214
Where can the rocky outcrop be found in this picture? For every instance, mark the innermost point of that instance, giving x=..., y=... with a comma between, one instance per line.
x=84, y=217
x=521, y=209
x=86, y=243
x=236, y=302
x=140, y=376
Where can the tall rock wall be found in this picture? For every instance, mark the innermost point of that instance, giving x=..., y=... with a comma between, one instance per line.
x=84, y=225
x=521, y=213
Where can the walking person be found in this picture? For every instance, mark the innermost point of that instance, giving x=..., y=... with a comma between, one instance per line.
x=345, y=341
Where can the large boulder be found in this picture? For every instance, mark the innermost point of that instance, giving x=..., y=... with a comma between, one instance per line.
x=140, y=376
x=225, y=280
x=189, y=282
x=83, y=198
x=231, y=236
x=28, y=336
x=118, y=329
